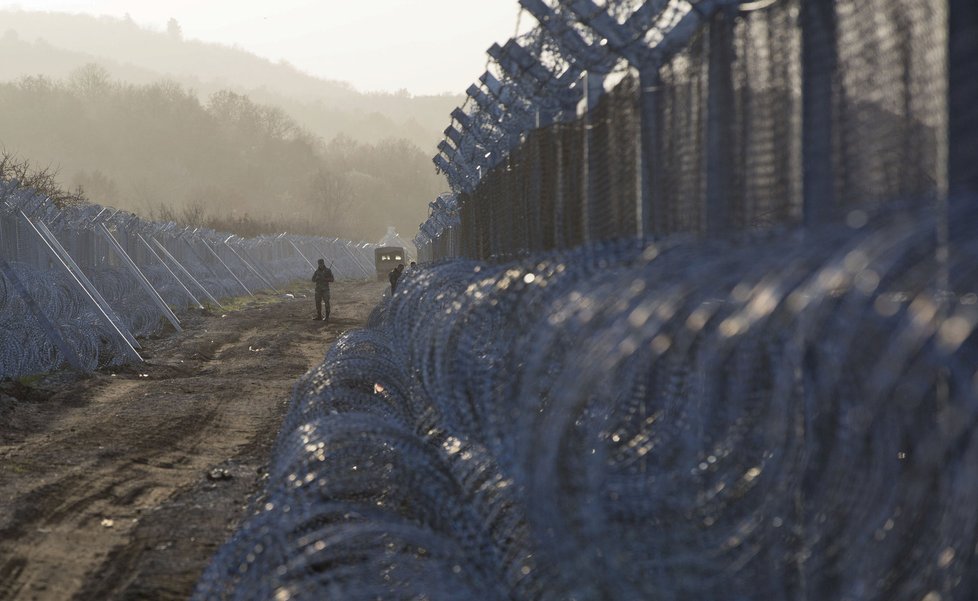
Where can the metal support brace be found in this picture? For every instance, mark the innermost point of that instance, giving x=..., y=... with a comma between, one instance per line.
x=249, y=266
x=356, y=259
x=618, y=37
x=454, y=135
x=514, y=58
x=488, y=105
x=304, y=258
x=143, y=281
x=170, y=271
x=218, y=257
x=203, y=261
x=473, y=129
x=503, y=93
x=80, y=279
x=527, y=71
x=470, y=164
x=369, y=270
x=68, y=353
x=87, y=284
x=453, y=157
x=644, y=16
x=457, y=181
x=258, y=266
x=592, y=56
x=187, y=273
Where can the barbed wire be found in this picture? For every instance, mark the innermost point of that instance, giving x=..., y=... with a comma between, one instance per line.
x=788, y=416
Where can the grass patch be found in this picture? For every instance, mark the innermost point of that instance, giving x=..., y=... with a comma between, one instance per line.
x=31, y=380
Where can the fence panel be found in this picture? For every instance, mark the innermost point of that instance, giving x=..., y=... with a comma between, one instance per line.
x=743, y=116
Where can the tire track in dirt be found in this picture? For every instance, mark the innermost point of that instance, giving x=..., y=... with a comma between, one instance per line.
x=105, y=494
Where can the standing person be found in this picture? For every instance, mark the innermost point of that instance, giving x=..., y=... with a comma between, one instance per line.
x=322, y=277
x=395, y=274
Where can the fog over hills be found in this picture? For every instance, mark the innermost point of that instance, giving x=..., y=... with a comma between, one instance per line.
x=55, y=44
x=151, y=122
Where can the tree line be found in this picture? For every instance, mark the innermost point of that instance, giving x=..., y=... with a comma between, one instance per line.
x=225, y=161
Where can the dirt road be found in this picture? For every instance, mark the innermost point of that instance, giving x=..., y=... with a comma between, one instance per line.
x=122, y=484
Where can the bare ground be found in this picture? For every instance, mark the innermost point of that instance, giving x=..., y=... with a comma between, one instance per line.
x=122, y=484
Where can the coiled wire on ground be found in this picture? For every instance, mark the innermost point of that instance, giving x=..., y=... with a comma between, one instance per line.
x=790, y=417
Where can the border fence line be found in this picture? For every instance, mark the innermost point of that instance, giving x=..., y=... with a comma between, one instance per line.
x=79, y=284
x=710, y=118
x=712, y=336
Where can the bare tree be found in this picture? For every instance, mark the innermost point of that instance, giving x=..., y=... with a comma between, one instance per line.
x=173, y=29
x=193, y=213
x=44, y=181
x=91, y=80
x=331, y=199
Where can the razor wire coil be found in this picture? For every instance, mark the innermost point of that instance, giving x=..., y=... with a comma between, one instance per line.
x=735, y=420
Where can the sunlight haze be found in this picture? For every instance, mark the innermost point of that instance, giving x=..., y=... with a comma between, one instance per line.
x=422, y=46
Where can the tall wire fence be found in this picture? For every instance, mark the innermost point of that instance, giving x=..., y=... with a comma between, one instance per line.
x=79, y=284
x=711, y=118
x=713, y=337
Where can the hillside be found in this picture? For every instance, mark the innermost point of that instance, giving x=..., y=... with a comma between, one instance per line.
x=224, y=161
x=56, y=44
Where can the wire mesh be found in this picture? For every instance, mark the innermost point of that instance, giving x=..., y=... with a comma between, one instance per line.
x=78, y=276
x=774, y=418
x=728, y=116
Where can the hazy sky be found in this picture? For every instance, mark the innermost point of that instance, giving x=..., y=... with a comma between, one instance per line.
x=424, y=46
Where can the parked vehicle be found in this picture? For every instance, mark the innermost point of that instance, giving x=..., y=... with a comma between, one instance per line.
x=387, y=258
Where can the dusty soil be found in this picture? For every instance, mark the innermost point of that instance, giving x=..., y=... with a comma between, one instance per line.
x=122, y=484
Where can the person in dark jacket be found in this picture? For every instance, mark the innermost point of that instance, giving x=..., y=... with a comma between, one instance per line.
x=395, y=274
x=322, y=278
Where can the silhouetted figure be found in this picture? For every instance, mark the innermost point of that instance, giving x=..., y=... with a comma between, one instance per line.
x=395, y=274
x=322, y=277
x=413, y=265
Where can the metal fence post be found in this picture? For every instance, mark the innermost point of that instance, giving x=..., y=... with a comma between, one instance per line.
x=153, y=253
x=143, y=281
x=962, y=100
x=595, y=91
x=650, y=86
x=718, y=132
x=249, y=265
x=819, y=64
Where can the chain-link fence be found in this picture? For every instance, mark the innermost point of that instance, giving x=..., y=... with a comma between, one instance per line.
x=721, y=116
x=78, y=284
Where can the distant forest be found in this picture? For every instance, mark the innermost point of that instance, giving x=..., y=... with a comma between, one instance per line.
x=210, y=135
x=226, y=162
